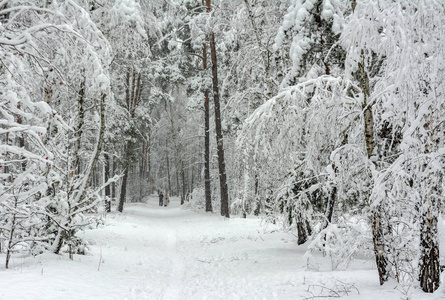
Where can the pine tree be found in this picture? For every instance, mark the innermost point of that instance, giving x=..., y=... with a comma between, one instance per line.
x=219, y=135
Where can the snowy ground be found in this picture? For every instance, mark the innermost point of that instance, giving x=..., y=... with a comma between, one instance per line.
x=152, y=252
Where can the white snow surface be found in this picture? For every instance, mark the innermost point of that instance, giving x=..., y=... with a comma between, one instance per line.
x=152, y=252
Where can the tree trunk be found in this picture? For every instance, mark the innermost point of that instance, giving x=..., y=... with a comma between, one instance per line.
x=379, y=246
x=429, y=261
x=301, y=232
x=257, y=210
x=177, y=193
x=148, y=168
x=208, y=192
x=98, y=150
x=269, y=205
x=58, y=242
x=79, y=130
x=142, y=174
x=184, y=185
x=219, y=135
x=192, y=183
x=21, y=138
x=168, y=168
x=11, y=236
x=123, y=194
x=376, y=220
x=113, y=184
x=132, y=100
x=107, y=188
x=330, y=208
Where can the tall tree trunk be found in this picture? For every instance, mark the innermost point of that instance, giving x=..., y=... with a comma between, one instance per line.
x=142, y=173
x=113, y=184
x=148, y=168
x=184, y=185
x=79, y=130
x=107, y=188
x=168, y=168
x=376, y=219
x=208, y=192
x=132, y=99
x=192, y=182
x=429, y=261
x=123, y=194
x=219, y=135
x=178, y=188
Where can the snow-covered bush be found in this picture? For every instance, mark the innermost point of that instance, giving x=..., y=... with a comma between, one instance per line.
x=288, y=142
x=341, y=242
x=197, y=200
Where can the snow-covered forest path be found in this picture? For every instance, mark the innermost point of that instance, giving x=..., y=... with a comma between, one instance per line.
x=152, y=252
x=171, y=253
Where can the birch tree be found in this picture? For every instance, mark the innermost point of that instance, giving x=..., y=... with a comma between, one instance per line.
x=410, y=100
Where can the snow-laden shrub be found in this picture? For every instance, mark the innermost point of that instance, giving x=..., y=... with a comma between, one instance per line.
x=300, y=203
x=341, y=242
x=197, y=200
x=238, y=206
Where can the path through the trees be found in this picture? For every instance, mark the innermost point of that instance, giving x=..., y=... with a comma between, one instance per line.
x=152, y=252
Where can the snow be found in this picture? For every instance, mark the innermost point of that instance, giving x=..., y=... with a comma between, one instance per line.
x=152, y=252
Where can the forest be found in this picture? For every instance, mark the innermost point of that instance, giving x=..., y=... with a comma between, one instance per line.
x=325, y=118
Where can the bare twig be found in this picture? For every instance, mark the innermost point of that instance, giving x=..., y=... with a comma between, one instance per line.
x=338, y=290
x=100, y=259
